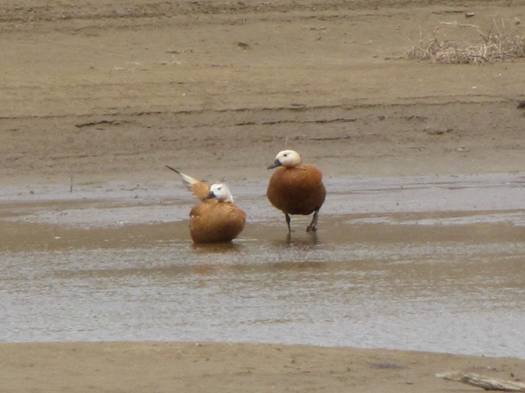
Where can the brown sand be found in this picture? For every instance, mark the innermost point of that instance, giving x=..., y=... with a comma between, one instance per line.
x=179, y=367
x=116, y=89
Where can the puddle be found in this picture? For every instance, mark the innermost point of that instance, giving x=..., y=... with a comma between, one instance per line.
x=377, y=274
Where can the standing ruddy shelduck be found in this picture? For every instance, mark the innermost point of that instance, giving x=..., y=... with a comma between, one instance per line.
x=296, y=188
x=215, y=218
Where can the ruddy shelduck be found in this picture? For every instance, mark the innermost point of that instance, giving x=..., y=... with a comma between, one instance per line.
x=215, y=218
x=296, y=188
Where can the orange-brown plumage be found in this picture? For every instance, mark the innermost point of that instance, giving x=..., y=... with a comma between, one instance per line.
x=296, y=188
x=215, y=221
x=215, y=218
x=200, y=190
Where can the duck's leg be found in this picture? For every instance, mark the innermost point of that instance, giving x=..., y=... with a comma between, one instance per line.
x=288, y=222
x=313, y=225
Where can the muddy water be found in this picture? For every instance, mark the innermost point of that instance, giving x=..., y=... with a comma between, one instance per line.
x=391, y=267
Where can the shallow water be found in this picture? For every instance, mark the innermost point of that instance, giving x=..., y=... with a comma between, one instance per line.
x=432, y=281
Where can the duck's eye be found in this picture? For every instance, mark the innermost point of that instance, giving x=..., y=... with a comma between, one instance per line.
x=285, y=155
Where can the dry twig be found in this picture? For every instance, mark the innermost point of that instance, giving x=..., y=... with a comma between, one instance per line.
x=501, y=42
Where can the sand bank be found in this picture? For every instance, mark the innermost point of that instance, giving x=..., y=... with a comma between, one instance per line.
x=229, y=368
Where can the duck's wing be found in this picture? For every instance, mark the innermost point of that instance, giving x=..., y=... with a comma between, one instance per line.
x=199, y=188
x=199, y=210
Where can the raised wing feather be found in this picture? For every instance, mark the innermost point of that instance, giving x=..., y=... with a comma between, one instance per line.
x=199, y=188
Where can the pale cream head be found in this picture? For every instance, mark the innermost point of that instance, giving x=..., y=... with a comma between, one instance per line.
x=221, y=192
x=288, y=158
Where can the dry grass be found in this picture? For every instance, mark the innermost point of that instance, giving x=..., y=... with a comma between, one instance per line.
x=501, y=42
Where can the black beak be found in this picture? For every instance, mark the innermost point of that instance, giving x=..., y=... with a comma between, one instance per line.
x=211, y=195
x=275, y=164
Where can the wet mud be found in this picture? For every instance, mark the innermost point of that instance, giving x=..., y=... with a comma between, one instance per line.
x=383, y=271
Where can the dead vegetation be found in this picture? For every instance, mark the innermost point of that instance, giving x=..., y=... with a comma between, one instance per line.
x=502, y=41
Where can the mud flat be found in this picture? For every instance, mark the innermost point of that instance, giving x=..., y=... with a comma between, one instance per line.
x=429, y=263
x=114, y=90
x=195, y=367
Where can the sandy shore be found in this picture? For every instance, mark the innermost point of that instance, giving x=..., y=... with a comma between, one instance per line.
x=115, y=90
x=193, y=367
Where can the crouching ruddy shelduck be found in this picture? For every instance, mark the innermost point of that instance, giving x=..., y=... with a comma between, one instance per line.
x=215, y=218
x=296, y=188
